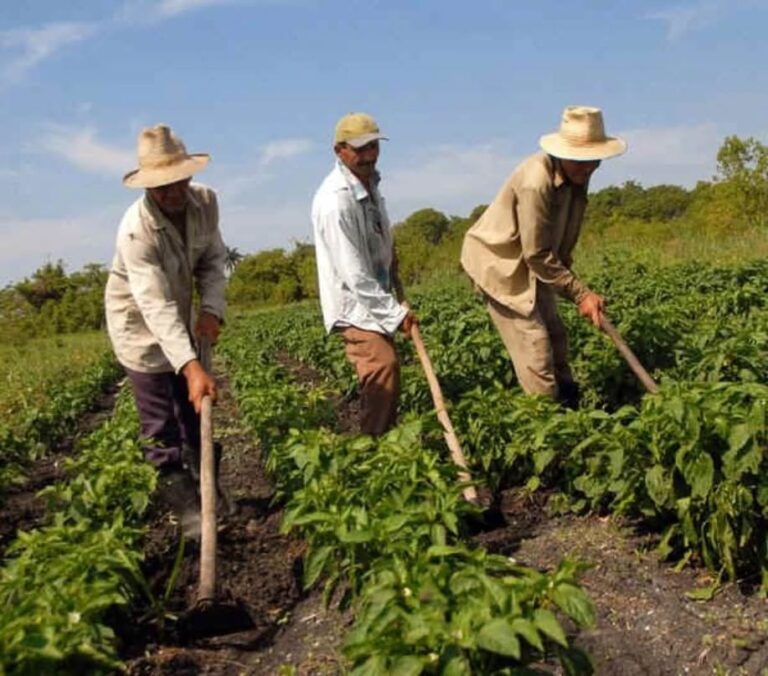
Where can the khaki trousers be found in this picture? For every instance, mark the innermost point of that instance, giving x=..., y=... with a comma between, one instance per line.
x=538, y=344
x=378, y=371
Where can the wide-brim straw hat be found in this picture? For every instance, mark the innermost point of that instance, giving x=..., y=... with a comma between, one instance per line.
x=582, y=137
x=163, y=159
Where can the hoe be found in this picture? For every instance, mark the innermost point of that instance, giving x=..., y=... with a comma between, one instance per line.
x=211, y=615
x=629, y=356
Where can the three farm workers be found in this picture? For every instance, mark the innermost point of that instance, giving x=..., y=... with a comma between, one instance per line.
x=518, y=255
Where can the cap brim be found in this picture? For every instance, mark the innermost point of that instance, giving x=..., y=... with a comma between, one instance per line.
x=360, y=141
x=556, y=145
x=154, y=178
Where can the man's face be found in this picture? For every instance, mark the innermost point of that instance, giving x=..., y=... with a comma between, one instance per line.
x=578, y=172
x=171, y=198
x=360, y=161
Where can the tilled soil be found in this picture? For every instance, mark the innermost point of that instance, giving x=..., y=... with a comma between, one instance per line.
x=645, y=622
x=21, y=509
x=259, y=570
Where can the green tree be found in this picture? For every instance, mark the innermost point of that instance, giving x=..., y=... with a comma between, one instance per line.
x=48, y=283
x=262, y=278
x=426, y=224
x=232, y=259
x=305, y=267
x=743, y=165
x=632, y=201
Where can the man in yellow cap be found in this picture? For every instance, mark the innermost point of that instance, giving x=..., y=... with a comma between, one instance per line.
x=519, y=253
x=356, y=269
x=168, y=241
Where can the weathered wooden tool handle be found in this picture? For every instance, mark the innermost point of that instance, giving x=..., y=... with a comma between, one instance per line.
x=629, y=356
x=470, y=494
x=207, y=589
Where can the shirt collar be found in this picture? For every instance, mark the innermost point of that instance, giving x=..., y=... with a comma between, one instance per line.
x=354, y=183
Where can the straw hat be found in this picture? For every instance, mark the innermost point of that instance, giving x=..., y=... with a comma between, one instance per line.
x=582, y=137
x=163, y=159
x=357, y=129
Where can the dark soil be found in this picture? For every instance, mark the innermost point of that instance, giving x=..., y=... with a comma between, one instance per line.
x=258, y=568
x=646, y=624
x=20, y=508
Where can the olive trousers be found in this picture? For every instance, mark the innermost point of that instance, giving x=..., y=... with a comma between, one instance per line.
x=537, y=344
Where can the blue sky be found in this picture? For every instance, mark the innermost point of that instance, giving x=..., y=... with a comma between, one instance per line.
x=463, y=89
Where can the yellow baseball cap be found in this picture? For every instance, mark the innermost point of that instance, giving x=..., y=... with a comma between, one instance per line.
x=357, y=129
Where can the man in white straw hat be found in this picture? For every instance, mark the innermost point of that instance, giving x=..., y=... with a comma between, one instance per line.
x=357, y=270
x=168, y=240
x=519, y=252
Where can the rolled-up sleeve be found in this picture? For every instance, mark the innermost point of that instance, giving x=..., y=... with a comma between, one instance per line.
x=536, y=239
x=343, y=238
x=152, y=293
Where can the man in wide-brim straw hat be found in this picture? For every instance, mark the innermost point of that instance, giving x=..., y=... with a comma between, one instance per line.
x=168, y=242
x=519, y=253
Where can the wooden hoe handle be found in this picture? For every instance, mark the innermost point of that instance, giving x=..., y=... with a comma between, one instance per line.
x=470, y=494
x=207, y=589
x=629, y=356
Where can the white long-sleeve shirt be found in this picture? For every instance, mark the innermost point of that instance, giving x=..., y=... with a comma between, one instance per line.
x=353, y=248
x=148, y=298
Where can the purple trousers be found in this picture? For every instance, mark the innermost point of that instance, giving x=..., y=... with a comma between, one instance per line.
x=167, y=417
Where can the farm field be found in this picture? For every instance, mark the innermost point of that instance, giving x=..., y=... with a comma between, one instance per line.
x=632, y=534
x=48, y=385
x=662, y=497
x=29, y=371
x=179, y=172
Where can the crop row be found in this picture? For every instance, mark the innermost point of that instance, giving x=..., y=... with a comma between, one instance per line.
x=33, y=430
x=61, y=583
x=28, y=370
x=690, y=462
x=384, y=523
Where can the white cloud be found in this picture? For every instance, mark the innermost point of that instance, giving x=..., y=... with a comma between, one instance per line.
x=169, y=8
x=30, y=46
x=27, y=47
x=455, y=179
x=680, y=155
x=81, y=148
x=150, y=11
x=284, y=149
x=451, y=178
x=26, y=243
x=255, y=227
x=683, y=145
x=684, y=19
x=236, y=182
x=6, y=173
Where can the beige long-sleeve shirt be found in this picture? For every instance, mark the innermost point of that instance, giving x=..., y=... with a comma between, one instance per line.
x=527, y=234
x=149, y=293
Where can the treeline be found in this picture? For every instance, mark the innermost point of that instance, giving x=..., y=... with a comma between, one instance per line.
x=51, y=301
x=428, y=243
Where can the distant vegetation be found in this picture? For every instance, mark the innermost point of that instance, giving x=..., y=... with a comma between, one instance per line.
x=720, y=221
x=52, y=302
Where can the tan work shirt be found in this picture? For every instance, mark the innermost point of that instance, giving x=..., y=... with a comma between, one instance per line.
x=148, y=298
x=527, y=234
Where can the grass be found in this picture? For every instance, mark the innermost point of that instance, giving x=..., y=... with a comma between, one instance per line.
x=28, y=371
x=671, y=242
